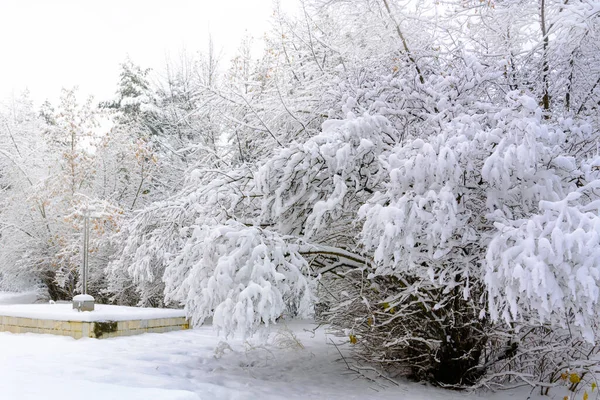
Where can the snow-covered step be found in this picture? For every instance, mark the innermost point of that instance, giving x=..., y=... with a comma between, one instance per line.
x=104, y=322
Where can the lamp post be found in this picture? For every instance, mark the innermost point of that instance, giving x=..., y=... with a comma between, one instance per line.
x=86, y=247
x=85, y=302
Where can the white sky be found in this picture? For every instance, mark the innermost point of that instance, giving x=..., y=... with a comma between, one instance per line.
x=49, y=44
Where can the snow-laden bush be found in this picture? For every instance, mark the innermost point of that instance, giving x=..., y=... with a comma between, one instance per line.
x=439, y=279
x=488, y=227
x=243, y=276
x=297, y=208
x=443, y=216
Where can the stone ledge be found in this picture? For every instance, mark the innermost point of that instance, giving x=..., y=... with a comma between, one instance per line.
x=96, y=329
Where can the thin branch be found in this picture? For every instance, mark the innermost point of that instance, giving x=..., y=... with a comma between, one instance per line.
x=404, y=43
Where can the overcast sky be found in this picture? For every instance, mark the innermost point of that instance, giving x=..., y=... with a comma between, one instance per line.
x=49, y=44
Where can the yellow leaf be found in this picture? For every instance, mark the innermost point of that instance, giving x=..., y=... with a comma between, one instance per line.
x=594, y=386
x=353, y=339
x=564, y=376
x=370, y=321
x=566, y=398
x=574, y=378
x=585, y=395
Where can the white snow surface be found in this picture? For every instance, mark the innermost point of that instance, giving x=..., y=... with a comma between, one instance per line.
x=83, y=297
x=19, y=297
x=102, y=312
x=193, y=365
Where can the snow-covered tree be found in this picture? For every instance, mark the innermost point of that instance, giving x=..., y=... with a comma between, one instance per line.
x=23, y=222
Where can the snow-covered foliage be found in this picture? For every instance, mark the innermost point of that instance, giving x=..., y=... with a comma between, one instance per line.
x=243, y=276
x=429, y=185
x=314, y=189
x=469, y=215
x=544, y=264
x=21, y=170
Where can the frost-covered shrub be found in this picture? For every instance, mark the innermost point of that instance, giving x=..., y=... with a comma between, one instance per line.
x=491, y=222
x=242, y=276
x=444, y=214
x=292, y=215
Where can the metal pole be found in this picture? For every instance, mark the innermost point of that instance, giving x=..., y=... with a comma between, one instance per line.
x=86, y=242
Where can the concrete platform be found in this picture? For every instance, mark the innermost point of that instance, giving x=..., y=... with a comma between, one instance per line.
x=104, y=322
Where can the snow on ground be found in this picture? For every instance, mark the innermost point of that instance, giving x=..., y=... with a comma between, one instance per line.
x=192, y=365
x=19, y=298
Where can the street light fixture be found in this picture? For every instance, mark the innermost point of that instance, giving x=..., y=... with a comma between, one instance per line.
x=85, y=302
